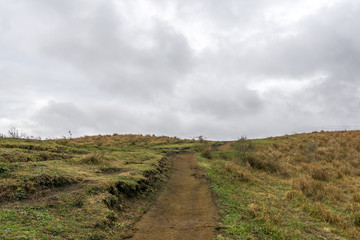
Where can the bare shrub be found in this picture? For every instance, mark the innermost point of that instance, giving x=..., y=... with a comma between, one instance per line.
x=14, y=133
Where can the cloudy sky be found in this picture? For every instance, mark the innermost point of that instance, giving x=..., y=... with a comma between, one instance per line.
x=221, y=69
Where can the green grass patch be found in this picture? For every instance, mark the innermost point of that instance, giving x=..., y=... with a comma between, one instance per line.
x=86, y=188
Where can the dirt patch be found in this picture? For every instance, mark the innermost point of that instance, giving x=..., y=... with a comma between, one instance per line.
x=184, y=209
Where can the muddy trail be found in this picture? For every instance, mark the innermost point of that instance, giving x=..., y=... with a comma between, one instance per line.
x=184, y=209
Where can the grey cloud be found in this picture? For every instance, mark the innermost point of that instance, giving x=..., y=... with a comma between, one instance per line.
x=59, y=117
x=226, y=105
x=112, y=57
x=95, y=66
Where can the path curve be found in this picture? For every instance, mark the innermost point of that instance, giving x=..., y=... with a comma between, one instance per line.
x=184, y=209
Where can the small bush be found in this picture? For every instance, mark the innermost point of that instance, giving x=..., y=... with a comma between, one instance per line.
x=4, y=171
x=205, y=150
x=77, y=203
x=310, y=146
x=237, y=172
x=356, y=197
x=93, y=190
x=267, y=165
x=207, y=153
x=294, y=195
x=93, y=158
x=243, y=146
x=254, y=209
x=63, y=141
x=319, y=174
x=20, y=193
x=357, y=220
x=310, y=188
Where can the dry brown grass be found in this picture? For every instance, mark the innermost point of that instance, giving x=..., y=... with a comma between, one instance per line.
x=93, y=158
x=319, y=173
x=319, y=211
x=237, y=172
x=321, y=168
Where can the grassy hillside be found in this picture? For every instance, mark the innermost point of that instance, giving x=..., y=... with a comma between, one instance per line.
x=84, y=188
x=303, y=186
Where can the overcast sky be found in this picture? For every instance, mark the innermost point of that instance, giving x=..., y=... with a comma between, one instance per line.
x=221, y=69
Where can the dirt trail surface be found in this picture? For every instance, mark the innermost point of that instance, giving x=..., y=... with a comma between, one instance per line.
x=184, y=209
x=226, y=147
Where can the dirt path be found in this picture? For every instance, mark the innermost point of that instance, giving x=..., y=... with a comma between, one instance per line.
x=184, y=209
x=226, y=147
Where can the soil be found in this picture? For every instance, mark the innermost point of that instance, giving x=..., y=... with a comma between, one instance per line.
x=184, y=209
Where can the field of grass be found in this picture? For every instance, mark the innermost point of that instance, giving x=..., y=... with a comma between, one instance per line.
x=84, y=188
x=303, y=186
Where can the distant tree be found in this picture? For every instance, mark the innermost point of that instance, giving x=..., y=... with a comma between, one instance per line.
x=14, y=133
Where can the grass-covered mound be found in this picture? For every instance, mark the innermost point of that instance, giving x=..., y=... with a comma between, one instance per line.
x=303, y=186
x=83, y=188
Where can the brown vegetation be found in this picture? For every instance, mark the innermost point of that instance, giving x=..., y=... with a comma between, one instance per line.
x=308, y=176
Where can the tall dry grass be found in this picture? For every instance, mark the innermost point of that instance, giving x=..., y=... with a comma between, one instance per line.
x=321, y=168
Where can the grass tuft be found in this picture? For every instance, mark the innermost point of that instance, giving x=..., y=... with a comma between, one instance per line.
x=93, y=158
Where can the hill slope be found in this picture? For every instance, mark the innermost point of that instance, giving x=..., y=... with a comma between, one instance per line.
x=304, y=186
x=84, y=188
